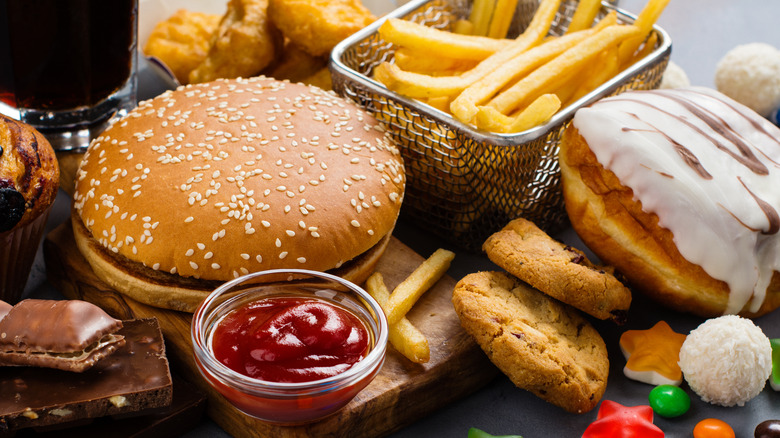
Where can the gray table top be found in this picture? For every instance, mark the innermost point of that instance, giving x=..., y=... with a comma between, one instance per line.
x=702, y=31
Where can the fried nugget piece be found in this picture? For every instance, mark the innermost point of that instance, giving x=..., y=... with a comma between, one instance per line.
x=318, y=25
x=245, y=43
x=182, y=41
x=295, y=64
x=320, y=79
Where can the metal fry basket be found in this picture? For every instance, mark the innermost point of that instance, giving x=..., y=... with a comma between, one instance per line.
x=463, y=184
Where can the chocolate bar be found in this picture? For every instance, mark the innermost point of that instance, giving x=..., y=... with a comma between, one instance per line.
x=134, y=378
x=70, y=335
x=4, y=309
x=185, y=413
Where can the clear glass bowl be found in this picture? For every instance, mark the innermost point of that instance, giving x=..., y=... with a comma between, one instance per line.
x=288, y=403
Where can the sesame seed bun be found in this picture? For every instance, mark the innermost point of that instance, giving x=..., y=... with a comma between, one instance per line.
x=211, y=181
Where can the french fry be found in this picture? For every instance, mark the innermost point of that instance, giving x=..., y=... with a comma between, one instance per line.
x=644, y=21
x=413, y=61
x=423, y=278
x=584, y=15
x=426, y=39
x=463, y=27
x=538, y=112
x=549, y=75
x=403, y=335
x=645, y=49
x=481, y=14
x=601, y=69
x=502, y=18
x=526, y=80
x=418, y=85
x=464, y=107
x=441, y=103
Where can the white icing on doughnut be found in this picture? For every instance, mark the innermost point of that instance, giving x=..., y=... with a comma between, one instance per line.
x=709, y=168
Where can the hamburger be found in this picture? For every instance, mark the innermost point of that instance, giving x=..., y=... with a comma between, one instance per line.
x=208, y=182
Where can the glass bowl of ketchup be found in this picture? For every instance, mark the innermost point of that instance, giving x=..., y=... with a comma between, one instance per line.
x=289, y=346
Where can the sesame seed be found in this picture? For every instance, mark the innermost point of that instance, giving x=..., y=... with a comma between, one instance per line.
x=355, y=223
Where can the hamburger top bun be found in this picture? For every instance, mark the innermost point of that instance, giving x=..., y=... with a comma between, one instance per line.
x=29, y=174
x=220, y=179
x=677, y=190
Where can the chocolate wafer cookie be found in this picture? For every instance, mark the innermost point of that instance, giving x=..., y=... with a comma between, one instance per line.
x=541, y=344
x=561, y=271
x=70, y=335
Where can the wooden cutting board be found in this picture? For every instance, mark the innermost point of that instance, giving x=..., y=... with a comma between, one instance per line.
x=402, y=392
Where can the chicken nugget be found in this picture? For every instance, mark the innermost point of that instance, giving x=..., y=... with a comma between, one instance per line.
x=318, y=25
x=295, y=64
x=245, y=43
x=182, y=41
x=321, y=79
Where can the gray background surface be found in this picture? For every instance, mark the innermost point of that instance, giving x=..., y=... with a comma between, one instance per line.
x=702, y=32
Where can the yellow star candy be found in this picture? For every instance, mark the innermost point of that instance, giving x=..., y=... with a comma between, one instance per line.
x=652, y=355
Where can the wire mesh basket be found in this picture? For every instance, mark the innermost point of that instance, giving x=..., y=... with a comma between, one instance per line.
x=463, y=184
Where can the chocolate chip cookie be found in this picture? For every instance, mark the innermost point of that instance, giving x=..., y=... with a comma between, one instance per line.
x=542, y=345
x=558, y=270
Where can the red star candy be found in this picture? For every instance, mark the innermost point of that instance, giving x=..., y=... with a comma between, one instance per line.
x=617, y=421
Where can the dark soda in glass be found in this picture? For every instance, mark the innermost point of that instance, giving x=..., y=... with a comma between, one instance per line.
x=65, y=54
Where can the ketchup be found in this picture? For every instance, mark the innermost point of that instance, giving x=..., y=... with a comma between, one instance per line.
x=290, y=339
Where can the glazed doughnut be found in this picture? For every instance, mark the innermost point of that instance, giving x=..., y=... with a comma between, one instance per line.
x=678, y=190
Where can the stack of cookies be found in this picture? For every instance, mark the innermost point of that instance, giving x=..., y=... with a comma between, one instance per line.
x=528, y=320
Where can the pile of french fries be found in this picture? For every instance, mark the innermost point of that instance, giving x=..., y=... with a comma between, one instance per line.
x=404, y=336
x=511, y=85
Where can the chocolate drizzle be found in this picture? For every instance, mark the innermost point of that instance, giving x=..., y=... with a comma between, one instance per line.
x=687, y=156
x=745, y=156
x=720, y=126
x=769, y=211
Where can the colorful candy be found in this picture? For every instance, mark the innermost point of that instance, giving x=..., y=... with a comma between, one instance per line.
x=774, y=378
x=478, y=433
x=617, y=421
x=652, y=355
x=726, y=360
x=713, y=428
x=768, y=429
x=669, y=401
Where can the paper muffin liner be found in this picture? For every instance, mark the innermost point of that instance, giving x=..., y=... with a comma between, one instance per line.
x=17, y=253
